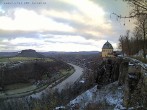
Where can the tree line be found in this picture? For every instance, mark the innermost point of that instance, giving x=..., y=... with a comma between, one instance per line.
x=24, y=72
x=131, y=45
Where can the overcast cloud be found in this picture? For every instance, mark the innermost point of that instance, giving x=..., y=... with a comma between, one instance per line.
x=60, y=25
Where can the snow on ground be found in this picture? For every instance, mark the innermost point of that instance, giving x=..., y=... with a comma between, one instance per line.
x=60, y=108
x=145, y=65
x=82, y=81
x=110, y=94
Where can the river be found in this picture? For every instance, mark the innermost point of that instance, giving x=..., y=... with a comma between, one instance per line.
x=68, y=81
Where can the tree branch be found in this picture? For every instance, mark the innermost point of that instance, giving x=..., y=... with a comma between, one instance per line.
x=140, y=9
x=131, y=16
x=140, y=5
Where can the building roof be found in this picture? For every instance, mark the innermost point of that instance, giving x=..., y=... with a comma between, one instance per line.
x=107, y=45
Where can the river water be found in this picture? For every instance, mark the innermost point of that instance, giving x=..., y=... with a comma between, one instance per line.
x=67, y=82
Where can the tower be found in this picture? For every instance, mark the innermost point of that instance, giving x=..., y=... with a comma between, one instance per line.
x=107, y=50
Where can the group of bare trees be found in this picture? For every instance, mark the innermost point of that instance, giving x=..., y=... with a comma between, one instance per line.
x=135, y=43
x=26, y=72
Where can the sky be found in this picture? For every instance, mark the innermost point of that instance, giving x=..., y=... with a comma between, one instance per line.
x=61, y=25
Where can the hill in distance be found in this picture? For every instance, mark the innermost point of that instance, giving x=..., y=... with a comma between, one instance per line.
x=52, y=53
x=8, y=54
x=30, y=53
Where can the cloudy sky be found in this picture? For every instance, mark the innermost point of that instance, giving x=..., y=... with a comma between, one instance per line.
x=61, y=25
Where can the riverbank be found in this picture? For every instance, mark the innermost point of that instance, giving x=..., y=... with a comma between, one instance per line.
x=34, y=88
x=69, y=81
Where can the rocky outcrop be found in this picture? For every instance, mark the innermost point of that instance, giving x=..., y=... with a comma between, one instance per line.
x=131, y=74
x=133, y=77
x=108, y=71
x=30, y=53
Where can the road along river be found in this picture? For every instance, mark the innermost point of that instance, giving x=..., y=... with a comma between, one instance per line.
x=68, y=81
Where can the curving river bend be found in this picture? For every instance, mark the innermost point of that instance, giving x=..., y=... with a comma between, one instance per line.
x=68, y=81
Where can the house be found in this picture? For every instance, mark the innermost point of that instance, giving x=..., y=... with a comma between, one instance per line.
x=107, y=50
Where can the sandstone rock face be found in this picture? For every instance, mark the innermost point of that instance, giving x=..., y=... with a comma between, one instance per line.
x=30, y=53
x=135, y=89
x=133, y=77
x=123, y=70
x=108, y=71
x=129, y=73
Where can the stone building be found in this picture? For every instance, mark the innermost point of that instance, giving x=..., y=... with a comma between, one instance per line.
x=107, y=50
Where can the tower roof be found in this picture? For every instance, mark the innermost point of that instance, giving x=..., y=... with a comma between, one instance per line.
x=107, y=45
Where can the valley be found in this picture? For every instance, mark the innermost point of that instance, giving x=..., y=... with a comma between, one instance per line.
x=22, y=76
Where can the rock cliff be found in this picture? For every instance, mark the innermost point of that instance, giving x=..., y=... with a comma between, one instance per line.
x=108, y=71
x=131, y=74
x=30, y=53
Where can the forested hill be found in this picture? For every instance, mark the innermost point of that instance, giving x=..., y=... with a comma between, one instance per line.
x=27, y=70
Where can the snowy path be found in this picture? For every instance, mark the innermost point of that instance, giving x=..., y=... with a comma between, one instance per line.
x=70, y=80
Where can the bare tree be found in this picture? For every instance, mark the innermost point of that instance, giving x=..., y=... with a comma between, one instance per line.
x=139, y=11
x=142, y=26
x=125, y=44
x=121, y=44
x=139, y=8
